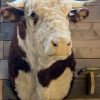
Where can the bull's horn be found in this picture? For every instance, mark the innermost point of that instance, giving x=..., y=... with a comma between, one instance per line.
x=17, y=3
x=78, y=4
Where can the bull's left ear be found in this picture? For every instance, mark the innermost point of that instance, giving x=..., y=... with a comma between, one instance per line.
x=76, y=15
x=11, y=14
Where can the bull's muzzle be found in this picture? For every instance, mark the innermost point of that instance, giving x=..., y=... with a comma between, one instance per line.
x=62, y=46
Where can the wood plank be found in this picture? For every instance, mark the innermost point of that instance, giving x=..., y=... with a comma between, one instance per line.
x=7, y=30
x=85, y=35
x=3, y=69
x=88, y=43
x=81, y=26
x=1, y=83
x=87, y=63
x=87, y=49
x=1, y=49
x=83, y=52
x=6, y=49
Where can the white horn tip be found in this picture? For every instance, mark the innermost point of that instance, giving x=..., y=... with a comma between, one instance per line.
x=17, y=3
x=10, y=4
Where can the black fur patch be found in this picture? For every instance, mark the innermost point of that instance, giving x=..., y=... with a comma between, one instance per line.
x=22, y=29
x=34, y=17
x=55, y=70
x=16, y=62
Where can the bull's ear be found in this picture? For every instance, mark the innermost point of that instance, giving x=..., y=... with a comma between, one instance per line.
x=80, y=3
x=11, y=14
x=78, y=15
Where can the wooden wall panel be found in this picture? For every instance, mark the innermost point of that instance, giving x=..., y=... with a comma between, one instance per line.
x=88, y=43
x=6, y=49
x=3, y=69
x=87, y=49
x=1, y=49
x=1, y=89
x=85, y=35
x=87, y=63
x=7, y=30
x=87, y=52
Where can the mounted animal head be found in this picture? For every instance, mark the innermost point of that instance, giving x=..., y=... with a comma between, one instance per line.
x=47, y=25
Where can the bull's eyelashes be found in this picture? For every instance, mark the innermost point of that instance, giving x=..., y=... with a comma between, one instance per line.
x=78, y=15
x=34, y=16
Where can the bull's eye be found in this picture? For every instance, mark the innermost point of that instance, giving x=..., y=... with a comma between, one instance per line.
x=34, y=16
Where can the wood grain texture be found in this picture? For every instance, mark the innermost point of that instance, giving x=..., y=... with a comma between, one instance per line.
x=83, y=35
x=83, y=52
x=95, y=3
x=1, y=49
x=87, y=63
x=1, y=89
x=7, y=30
x=80, y=26
x=3, y=69
x=6, y=49
x=87, y=49
x=88, y=43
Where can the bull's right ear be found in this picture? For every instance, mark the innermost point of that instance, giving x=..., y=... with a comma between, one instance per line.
x=11, y=14
x=77, y=15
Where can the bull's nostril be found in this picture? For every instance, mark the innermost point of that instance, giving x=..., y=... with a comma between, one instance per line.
x=54, y=44
x=69, y=44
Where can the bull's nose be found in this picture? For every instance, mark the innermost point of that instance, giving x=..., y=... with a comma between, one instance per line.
x=61, y=42
x=62, y=46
